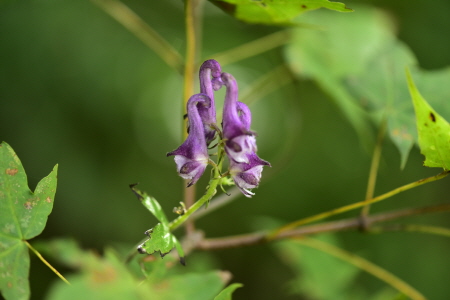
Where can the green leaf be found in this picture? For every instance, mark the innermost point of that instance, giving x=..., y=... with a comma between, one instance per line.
x=357, y=60
x=433, y=130
x=271, y=12
x=339, y=46
x=101, y=278
x=434, y=86
x=228, y=291
x=108, y=278
x=160, y=238
x=198, y=286
x=23, y=215
x=151, y=204
x=383, y=90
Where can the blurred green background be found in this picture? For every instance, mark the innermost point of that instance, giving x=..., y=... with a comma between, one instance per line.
x=78, y=89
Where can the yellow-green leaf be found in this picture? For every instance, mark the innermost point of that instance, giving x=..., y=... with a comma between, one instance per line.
x=279, y=12
x=433, y=130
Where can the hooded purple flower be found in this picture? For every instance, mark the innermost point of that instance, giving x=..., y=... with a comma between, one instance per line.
x=207, y=111
x=240, y=143
x=192, y=156
x=247, y=175
x=239, y=139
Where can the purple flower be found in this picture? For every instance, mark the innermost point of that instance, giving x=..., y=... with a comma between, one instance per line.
x=247, y=175
x=207, y=110
x=239, y=139
x=240, y=142
x=192, y=156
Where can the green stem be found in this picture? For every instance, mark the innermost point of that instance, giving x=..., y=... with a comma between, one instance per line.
x=253, y=48
x=266, y=84
x=131, y=21
x=365, y=265
x=46, y=262
x=374, y=168
x=349, y=207
x=192, y=37
x=210, y=192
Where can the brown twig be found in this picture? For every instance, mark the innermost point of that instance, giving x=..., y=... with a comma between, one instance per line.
x=334, y=226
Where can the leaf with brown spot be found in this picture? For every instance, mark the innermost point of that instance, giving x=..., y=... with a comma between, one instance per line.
x=11, y=172
x=433, y=130
x=22, y=217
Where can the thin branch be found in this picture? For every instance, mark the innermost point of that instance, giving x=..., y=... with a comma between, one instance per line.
x=353, y=206
x=191, y=51
x=215, y=204
x=253, y=48
x=266, y=84
x=365, y=265
x=334, y=226
x=374, y=169
x=442, y=231
x=46, y=262
x=131, y=21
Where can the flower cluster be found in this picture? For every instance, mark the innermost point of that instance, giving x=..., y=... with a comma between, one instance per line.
x=191, y=158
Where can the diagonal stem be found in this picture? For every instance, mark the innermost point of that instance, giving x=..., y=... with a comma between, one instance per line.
x=353, y=206
x=442, y=231
x=253, y=48
x=131, y=21
x=365, y=265
x=373, y=170
x=46, y=262
x=210, y=192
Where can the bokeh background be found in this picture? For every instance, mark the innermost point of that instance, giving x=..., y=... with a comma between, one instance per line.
x=78, y=90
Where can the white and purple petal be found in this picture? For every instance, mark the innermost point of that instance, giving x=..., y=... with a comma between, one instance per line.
x=247, y=176
x=192, y=156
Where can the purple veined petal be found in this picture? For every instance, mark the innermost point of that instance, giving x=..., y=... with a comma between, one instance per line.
x=247, y=176
x=208, y=85
x=239, y=140
x=192, y=156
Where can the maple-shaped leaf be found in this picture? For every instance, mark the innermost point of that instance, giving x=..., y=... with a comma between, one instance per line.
x=23, y=215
